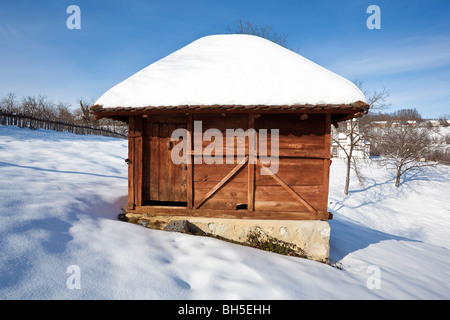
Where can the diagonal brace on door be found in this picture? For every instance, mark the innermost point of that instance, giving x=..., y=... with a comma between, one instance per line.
x=288, y=189
x=222, y=182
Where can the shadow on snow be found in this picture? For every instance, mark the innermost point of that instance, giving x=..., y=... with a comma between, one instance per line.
x=61, y=171
x=349, y=236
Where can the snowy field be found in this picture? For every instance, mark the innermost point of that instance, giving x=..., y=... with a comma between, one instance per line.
x=60, y=195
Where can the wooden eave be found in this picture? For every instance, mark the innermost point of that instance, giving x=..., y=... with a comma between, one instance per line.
x=339, y=112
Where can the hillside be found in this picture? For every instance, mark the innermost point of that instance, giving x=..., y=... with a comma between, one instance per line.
x=60, y=195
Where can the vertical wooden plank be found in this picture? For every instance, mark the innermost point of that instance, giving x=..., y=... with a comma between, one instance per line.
x=138, y=159
x=174, y=179
x=146, y=170
x=164, y=167
x=251, y=167
x=131, y=203
x=154, y=162
x=190, y=165
x=161, y=173
x=181, y=171
x=326, y=162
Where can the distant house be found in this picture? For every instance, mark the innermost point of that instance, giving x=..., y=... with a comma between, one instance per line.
x=379, y=124
x=341, y=142
x=433, y=123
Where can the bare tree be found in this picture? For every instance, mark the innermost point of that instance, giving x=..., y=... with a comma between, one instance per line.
x=38, y=106
x=86, y=115
x=356, y=132
x=348, y=140
x=405, y=148
x=63, y=112
x=407, y=114
x=376, y=99
x=29, y=106
x=264, y=31
x=9, y=103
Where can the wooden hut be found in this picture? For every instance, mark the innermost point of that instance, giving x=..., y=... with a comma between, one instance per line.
x=231, y=82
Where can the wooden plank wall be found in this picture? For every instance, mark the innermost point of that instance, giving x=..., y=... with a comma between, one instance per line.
x=162, y=179
x=206, y=176
x=304, y=148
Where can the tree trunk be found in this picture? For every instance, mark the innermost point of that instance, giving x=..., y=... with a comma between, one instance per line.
x=397, y=180
x=349, y=164
x=347, y=179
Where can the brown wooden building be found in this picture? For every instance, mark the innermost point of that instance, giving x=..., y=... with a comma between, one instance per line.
x=179, y=92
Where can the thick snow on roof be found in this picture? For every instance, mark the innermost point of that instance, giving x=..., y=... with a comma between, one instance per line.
x=232, y=70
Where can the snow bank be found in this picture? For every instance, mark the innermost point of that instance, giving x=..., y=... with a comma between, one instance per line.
x=60, y=195
x=232, y=70
x=403, y=231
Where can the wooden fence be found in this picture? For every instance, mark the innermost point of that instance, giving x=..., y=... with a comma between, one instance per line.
x=24, y=121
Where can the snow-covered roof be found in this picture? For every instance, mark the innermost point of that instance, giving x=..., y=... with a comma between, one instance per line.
x=232, y=70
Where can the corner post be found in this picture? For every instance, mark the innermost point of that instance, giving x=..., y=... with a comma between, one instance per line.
x=326, y=166
x=251, y=166
x=135, y=158
x=190, y=164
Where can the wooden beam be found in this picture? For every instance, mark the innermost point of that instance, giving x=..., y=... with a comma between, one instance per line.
x=288, y=189
x=104, y=113
x=138, y=159
x=295, y=153
x=326, y=163
x=224, y=214
x=222, y=182
x=190, y=165
x=154, y=161
x=282, y=153
x=130, y=162
x=251, y=166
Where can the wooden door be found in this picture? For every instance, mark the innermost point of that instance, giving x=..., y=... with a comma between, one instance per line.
x=164, y=182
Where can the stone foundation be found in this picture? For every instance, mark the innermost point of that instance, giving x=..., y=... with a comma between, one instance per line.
x=312, y=236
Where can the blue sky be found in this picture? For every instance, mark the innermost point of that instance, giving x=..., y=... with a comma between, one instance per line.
x=409, y=55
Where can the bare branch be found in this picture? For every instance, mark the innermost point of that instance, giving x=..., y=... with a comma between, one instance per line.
x=264, y=31
x=405, y=148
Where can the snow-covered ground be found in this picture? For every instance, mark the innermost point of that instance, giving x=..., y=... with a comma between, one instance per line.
x=60, y=195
